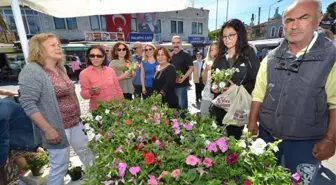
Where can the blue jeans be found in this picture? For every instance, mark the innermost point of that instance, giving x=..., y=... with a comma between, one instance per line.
x=182, y=96
x=297, y=155
x=16, y=129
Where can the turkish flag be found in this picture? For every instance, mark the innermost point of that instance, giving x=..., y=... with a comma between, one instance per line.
x=119, y=23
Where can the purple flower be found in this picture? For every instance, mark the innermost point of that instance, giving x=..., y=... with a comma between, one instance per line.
x=159, y=144
x=120, y=114
x=188, y=127
x=175, y=113
x=126, y=108
x=212, y=147
x=121, y=167
x=100, y=124
x=296, y=177
x=237, y=180
x=134, y=170
x=221, y=142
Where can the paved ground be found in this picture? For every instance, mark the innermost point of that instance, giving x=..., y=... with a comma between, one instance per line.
x=327, y=172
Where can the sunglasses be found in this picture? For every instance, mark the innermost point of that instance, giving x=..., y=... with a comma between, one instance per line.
x=94, y=56
x=149, y=49
x=121, y=49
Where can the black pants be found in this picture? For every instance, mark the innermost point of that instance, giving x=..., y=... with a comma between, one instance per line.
x=137, y=91
x=148, y=93
x=231, y=130
x=77, y=72
x=128, y=96
x=198, y=89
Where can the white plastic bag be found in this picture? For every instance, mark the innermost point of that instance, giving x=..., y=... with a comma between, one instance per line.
x=225, y=99
x=239, y=112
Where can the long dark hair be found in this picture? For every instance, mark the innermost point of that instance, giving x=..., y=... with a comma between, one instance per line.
x=242, y=47
x=115, y=53
x=101, y=49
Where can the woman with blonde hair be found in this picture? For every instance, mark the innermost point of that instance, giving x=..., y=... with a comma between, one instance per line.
x=207, y=96
x=121, y=59
x=148, y=66
x=48, y=97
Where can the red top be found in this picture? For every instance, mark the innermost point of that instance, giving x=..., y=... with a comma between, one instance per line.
x=106, y=80
x=66, y=97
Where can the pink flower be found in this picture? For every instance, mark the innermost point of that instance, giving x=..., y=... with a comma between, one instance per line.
x=296, y=177
x=192, y=160
x=118, y=149
x=207, y=162
x=164, y=173
x=152, y=180
x=107, y=182
x=177, y=131
x=157, y=116
x=188, y=127
x=121, y=167
x=201, y=171
x=176, y=173
x=221, y=142
x=176, y=125
x=203, y=151
x=134, y=170
x=154, y=108
x=160, y=145
x=231, y=159
x=212, y=147
x=108, y=177
x=109, y=135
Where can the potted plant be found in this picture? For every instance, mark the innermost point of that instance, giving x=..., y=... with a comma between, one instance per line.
x=179, y=75
x=222, y=78
x=36, y=162
x=75, y=173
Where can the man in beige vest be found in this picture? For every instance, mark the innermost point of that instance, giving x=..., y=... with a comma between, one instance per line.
x=197, y=76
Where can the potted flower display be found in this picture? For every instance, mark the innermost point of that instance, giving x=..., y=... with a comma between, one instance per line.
x=144, y=142
x=75, y=173
x=36, y=162
x=179, y=75
x=222, y=78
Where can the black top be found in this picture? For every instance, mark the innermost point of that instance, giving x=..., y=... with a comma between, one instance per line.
x=164, y=83
x=248, y=65
x=182, y=61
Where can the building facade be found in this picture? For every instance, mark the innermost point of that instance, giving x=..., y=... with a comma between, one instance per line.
x=191, y=24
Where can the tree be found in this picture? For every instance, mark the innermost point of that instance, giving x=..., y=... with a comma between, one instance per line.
x=3, y=24
x=331, y=11
x=213, y=35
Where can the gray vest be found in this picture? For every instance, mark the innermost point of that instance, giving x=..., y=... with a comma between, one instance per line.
x=295, y=104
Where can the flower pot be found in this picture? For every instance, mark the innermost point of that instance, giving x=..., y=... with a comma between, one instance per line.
x=37, y=171
x=76, y=173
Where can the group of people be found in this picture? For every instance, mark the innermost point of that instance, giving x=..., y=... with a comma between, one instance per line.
x=293, y=89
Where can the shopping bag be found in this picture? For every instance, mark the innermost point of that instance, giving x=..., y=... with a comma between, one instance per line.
x=225, y=99
x=239, y=112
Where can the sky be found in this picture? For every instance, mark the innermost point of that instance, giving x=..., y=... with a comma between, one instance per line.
x=243, y=9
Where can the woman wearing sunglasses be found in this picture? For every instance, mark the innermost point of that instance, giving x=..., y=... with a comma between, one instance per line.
x=148, y=67
x=120, y=62
x=234, y=51
x=98, y=83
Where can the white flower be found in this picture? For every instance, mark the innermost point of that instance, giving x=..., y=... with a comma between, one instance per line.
x=227, y=73
x=193, y=123
x=237, y=70
x=275, y=148
x=245, y=130
x=181, y=137
x=131, y=135
x=217, y=71
x=258, y=146
x=207, y=142
x=203, y=135
x=214, y=125
x=242, y=144
x=98, y=136
x=214, y=86
x=98, y=118
x=107, y=111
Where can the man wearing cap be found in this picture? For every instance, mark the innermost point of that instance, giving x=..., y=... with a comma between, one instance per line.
x=137, y=58
x=197, y=76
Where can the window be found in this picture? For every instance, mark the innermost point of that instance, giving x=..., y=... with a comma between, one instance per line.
x=103, y=22
x=180, y=27
x=30, y=21
x=59, y=23
x=273, y=31
x=193, y=28
x=158, y=25
x=173, y=26
x=71, y=23
x=94, y=22
x=134, y=25
x=200, y=28
x=280, y=32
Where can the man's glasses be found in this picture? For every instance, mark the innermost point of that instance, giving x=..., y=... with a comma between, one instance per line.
x=94, y=56
x=121, y=49
x=230, y=36
x=149, y=49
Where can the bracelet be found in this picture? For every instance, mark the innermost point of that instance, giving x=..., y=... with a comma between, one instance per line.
x=330, y=140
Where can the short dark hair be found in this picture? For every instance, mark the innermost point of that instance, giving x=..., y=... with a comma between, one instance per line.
x=115, y=49
x=101, y=49
x=165, y=52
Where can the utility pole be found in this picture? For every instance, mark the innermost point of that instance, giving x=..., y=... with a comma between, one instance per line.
x=216, y=18
x=227, y=9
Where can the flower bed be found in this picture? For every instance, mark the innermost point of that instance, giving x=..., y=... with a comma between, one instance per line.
x=142, y=142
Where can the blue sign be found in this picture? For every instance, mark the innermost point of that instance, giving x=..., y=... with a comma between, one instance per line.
x=140, y=37
x=196, y=40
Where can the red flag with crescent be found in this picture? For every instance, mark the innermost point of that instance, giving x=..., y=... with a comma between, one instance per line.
x=119, y=23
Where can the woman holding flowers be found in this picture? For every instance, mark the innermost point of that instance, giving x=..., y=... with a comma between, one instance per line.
x=98, y=83
x=148, y=67
x=164, y=78
x=207, y=96
x=234, y=52
x=49, y=99
x=121, y=63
